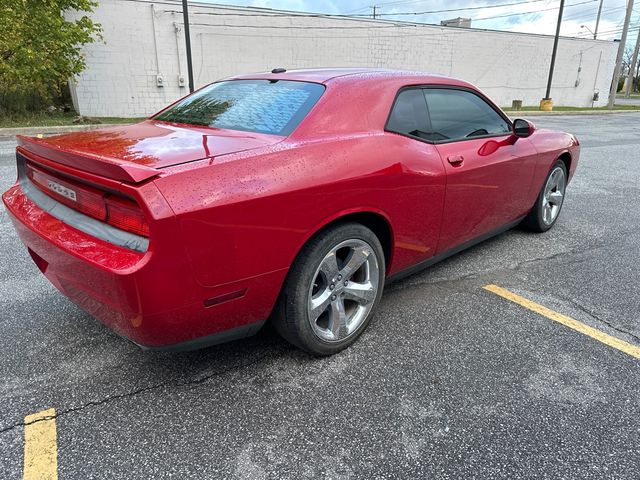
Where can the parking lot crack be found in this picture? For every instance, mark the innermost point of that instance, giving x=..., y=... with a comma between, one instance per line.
x=111, y=398
x=564, y=253
x=598, y=318
x=512, y=267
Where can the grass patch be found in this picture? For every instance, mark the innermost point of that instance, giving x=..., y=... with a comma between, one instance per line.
x=45, y=119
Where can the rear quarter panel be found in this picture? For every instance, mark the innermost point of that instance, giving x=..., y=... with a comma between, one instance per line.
x=245, y=215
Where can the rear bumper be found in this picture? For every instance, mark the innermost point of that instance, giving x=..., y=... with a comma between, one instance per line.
x=149, y=298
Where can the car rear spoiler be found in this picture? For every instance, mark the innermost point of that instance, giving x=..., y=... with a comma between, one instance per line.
x=109, y=167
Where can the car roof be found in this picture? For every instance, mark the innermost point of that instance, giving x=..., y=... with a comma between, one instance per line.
x=326, y=75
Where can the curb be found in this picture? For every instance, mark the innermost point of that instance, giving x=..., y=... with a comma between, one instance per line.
x=10, y=132
x=538, y=113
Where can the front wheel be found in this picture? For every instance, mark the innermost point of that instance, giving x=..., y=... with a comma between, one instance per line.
x=549, y=203
x=331, y=290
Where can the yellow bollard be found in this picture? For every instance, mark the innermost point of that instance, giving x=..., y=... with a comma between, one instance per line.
x=546, y=104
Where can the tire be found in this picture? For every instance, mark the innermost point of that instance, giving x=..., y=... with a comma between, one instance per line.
x=547, y=208
x=326, y=302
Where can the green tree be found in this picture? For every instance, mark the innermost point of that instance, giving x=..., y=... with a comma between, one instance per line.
x=39, y=48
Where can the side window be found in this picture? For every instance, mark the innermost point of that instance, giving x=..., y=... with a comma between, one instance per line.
x=409, y=114
x=459, y=114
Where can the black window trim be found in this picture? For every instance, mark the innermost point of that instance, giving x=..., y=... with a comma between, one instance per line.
x=446, y=87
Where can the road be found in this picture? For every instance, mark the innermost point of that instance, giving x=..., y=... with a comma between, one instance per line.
x=449, y=380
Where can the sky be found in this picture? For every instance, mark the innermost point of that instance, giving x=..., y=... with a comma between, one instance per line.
x=531, y=16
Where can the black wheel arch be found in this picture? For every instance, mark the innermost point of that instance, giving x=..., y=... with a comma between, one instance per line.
x=375, y=222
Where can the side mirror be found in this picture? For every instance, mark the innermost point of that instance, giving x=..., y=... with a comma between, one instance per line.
x=522, y=128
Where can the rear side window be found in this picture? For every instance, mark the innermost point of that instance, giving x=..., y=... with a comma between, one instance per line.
x=409, y=114
x=459, y=114
x=261, y=106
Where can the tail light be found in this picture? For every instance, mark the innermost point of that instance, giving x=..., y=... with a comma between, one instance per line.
x=85, y=199
x=117, y=211
x=126, y=215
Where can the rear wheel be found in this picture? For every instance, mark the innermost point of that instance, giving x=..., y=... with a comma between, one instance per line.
x=332, y=290
x=549, y=203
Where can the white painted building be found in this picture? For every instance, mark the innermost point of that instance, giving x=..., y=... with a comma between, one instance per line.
x=141, y=66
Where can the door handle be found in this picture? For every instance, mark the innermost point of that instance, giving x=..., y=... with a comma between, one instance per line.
x=455, y=159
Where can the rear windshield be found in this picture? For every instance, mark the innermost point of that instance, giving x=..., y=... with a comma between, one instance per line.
x=262, y=106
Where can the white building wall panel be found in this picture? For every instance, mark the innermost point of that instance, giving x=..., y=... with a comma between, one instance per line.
x=143, y=39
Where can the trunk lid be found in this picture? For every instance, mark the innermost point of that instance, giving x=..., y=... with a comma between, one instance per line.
x=134, y=153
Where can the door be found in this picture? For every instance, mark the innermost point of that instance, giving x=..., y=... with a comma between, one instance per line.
x=423, y=176
x=489, y=170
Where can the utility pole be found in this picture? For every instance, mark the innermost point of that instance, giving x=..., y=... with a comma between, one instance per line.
x=595, y=33
x=187, y=39
x=546, y=103
x=374, y=11
x=616, y=71
x=632, y=68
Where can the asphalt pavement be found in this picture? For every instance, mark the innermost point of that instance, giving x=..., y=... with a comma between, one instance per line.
x=449, y=380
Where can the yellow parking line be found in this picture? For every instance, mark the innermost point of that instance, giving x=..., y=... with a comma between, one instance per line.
x=40, y=446
x=566, y=321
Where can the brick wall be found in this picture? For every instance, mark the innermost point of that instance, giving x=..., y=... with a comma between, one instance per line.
x=120, y=79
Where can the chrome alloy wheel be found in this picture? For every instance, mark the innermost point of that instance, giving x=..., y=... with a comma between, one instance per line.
x=553, y=196
x=343, y=291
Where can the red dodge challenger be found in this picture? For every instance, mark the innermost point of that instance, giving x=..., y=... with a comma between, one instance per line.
x=290, y=195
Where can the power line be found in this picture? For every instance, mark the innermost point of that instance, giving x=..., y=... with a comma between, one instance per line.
x=390, y=24
x=613, y=32
x=400, y=2
x=358, y=17
x=266, y=12
x=456, y=9
x=383, y=4
x=585, y=14
x=531, y=12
